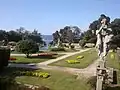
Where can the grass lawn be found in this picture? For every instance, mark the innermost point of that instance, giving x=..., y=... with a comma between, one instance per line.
x=67, y=50
x=48, y=51
x=24, y=60
x=56, y=81
x=114, y=62
x=89, y=57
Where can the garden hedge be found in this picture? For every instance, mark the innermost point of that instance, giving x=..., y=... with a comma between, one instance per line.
x=4, y=56
x=57, y=49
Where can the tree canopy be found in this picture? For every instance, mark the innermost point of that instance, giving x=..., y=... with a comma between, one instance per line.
x=21, y=34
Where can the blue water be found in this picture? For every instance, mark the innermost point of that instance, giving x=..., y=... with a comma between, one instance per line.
x=47, y=39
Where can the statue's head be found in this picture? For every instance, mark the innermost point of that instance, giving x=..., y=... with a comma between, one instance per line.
x=104, y=19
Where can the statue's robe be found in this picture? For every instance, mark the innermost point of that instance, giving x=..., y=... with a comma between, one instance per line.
x=103, y=39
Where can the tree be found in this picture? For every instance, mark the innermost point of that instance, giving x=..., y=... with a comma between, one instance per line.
x=56, y=37
x=115, y=25
x=14, y=36
x=3, y=34
x=27, y=47
x=76, y=34
x=68, y=34
x=94, y=26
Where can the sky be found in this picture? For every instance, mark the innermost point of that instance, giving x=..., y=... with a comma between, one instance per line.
x=47, y=16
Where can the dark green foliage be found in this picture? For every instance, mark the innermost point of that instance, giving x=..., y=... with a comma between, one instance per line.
x=14, y=36
x=27, y=47
x=57, y=49
x=68, y=34
x=116, y=40
x=20, y=34
x=4, y=56
x=115, y=25
x=92, y=40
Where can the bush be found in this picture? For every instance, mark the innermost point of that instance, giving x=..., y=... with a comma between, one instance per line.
x=29, y=73
x=72, y=61
x=80, y=57
x=4, y=56
x=27, y=47
x=92, y=40
x=57, y=49
x=12, y=59
x=45, y=55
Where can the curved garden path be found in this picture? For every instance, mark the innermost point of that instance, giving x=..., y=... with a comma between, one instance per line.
x=87, y=72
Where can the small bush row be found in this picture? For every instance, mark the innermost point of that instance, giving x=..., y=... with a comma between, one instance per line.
x=75, y=61
x=80, y=57
x=72, y=61
x=57, y=49
x=12, y=59
x=29, y=73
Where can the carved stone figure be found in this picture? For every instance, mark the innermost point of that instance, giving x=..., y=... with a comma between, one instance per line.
x=104, y=35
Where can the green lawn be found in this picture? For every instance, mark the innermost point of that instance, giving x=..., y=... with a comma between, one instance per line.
x=114, y=63
x=24, y=60
x=48, y=51
x=89, y=57
x=58, y=80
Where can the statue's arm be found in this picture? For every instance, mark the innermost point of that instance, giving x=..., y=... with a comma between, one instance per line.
x=99, y=30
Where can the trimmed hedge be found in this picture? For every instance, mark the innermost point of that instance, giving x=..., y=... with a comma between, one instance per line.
x=4, y=56
x=57, y=49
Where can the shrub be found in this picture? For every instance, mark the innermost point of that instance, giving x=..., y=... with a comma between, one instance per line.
x=92, y=40
x=45, y=55
x=27, y=47
x=12, y=59
x=80, y=57
x=29, y=73
x=72, y=61
x=4, y=56
x=57, y=49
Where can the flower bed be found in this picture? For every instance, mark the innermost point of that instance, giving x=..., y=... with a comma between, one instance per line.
x=12, y=59
x=80, y=57
x=29, y=73
x=75, y=61
x=72, y=61
x=45, y=54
